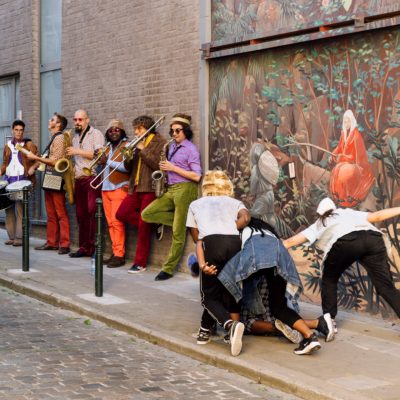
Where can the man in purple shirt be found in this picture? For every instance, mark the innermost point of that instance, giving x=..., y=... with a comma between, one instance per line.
x=183, y=170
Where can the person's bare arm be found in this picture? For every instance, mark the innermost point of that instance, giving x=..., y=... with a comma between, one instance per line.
x=295, y=240
x=382, y=215
x=194, y=233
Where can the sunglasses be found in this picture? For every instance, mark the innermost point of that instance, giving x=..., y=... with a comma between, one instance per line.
x=177, y=130
x=114, y=130
x=78, y=119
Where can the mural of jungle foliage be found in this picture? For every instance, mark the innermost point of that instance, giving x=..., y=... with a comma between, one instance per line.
x=233, y=19
x=294, y=125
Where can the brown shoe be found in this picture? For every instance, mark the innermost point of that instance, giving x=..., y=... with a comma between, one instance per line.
x=46, y=247
x=116, y=262
x=17, y=242
x=64, y=250
x=108, y=259
x=9, y=242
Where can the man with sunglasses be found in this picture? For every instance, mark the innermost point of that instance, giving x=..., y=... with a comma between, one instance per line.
x=84, y=144
x=58, y=228
x=141, y=192
x=114, y=190
x=183, y=170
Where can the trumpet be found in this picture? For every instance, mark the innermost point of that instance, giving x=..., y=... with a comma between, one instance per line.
x=127, y=154
x=42, y=166
x=88, y=170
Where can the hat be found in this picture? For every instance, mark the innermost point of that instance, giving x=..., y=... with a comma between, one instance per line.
x=216, y=183
x=325, y=205
x=180, y=119
x=115, y=123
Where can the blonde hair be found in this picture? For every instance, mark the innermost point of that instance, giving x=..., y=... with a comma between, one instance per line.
x=216, y=183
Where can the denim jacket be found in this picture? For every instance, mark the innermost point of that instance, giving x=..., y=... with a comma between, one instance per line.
x=260, y=252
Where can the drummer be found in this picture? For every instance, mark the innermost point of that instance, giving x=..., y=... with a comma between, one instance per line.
x=15, y=167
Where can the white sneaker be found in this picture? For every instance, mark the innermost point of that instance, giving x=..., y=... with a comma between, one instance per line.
x=330, y=335
x=236, y=333
x=290, y=334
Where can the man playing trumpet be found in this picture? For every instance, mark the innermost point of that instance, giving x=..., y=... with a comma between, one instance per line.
x=58, y=229
x=86, y=140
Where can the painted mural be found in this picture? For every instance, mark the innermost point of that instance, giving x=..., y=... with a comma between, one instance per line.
x=294, y=125
x=233, y=19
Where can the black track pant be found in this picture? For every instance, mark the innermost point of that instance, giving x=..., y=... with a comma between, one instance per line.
x=368, y=248
x=215, y=298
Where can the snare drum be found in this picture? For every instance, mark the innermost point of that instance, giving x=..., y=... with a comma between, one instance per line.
x=14, y=189
x=5, y=201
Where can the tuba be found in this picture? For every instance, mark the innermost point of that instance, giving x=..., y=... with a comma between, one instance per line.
x=65, y=167
x=160, y=177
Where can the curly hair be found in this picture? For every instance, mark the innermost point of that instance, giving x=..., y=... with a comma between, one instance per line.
x=145, y=121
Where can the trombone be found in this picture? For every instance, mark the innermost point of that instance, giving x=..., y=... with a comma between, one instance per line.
x=127, y=154
x=88, y=170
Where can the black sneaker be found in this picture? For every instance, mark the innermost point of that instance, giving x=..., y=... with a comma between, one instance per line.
x=308, y=346
x=235, y=334
x=136, y=269
x=325, y=326
x=203, y=336
x=160, y=231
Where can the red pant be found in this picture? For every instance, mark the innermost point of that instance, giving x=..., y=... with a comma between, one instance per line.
x=112, y=200
x=85, y=202
x=57, y=219
x=129, y=212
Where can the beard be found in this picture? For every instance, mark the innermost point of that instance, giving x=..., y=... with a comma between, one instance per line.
x=78, y=128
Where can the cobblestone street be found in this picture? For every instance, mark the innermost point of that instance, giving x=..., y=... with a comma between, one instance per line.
x=49, y=353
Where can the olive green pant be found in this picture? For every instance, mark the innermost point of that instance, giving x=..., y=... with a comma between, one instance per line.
x=171, y=210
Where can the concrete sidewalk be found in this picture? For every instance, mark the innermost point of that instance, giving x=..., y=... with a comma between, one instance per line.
x=361, y=363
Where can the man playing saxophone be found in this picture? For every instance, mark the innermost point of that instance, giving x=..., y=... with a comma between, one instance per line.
x=145, y=161
x=58, y=227
x=183, y=170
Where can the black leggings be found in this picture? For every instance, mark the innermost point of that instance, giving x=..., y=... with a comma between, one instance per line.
x=368, y=248
x=276, y=297
x=218, y=303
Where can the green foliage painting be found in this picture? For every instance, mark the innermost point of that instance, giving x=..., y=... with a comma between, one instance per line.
x=276, y=127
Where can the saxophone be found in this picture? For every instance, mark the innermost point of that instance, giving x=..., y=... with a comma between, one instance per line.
x=160, y=177
x=64, y=166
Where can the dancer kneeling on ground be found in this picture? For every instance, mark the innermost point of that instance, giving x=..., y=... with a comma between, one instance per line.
x=346, y=236
x=214, y=221
x=263, y=256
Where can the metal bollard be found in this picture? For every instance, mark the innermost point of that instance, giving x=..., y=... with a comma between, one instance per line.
x=99, y=248
x=25, y=229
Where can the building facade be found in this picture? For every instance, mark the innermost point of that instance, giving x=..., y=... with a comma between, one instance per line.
x=267, y=83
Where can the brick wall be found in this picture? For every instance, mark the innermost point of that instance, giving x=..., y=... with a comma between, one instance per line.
x=123, y=58
x=18, y=31
x=119, y=59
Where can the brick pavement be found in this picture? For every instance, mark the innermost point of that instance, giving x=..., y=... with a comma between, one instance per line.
x=50, y=353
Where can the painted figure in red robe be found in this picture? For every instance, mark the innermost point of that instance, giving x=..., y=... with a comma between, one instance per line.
x=351, y=178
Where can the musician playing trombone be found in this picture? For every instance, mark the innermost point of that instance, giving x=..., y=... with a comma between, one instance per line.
x=141, y=192
x=183, y=169
x=114, y=189
x=57, y=233
x=84, y=143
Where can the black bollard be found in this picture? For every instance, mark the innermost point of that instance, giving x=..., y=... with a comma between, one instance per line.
x=25, y=229
x=99, y=248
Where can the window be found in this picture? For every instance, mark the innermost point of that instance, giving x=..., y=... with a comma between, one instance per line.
x=9, y=108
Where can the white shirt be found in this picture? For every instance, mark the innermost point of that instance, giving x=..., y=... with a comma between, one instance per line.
x=246, y=233
x=342, y=222
x=214, y=215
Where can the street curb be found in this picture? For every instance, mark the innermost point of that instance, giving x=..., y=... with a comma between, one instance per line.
x=273, y=375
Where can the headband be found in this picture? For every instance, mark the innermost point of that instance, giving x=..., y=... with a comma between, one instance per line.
x=179, y=119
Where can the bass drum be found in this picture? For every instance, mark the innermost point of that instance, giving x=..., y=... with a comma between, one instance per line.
x=5, y=201
x=15, y=189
